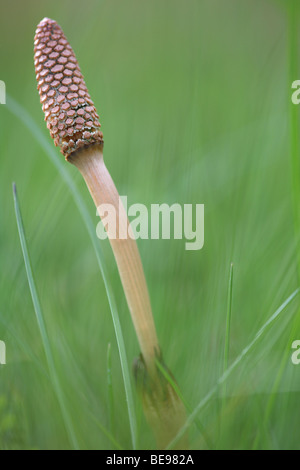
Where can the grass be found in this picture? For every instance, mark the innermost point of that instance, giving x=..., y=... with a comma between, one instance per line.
x=194, y=108
x=110, y=392
x=223, y=379
x=42, y=327
x=292, y=10
x=228, y=324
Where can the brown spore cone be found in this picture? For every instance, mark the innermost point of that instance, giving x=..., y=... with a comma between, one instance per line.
x=69, y=111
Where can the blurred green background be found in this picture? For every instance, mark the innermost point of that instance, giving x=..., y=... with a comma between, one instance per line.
x=194, y=101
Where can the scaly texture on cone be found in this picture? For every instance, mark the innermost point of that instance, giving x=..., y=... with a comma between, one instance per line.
x=69, y=111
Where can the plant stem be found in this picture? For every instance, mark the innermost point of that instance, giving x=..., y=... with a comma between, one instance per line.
x=103, y=191
x=163, y=408
x=20, y=113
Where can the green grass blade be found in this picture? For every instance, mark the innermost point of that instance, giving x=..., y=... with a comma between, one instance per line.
x=292, y=18
x=20, y=113
x=42, y=326
x=227, y=331
x=228, y=319
x=105, y=432
x=110, y=391
x=233, y=366
x=175, y=387
x=292, y=9
x=274, y=391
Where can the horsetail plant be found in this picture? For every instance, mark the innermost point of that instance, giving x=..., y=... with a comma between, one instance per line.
x=73, y=123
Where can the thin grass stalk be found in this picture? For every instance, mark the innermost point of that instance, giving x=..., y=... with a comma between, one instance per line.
x=42, y=327
x=197, y=421
x=234, y=365
x=292, y=9
x=272, y=397
x=110, y=392
x=227, y=332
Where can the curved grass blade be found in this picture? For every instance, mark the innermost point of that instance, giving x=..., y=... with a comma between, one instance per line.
x=228, y=319
x=86, y=395
x=292, y=25
x=227, y=332
x=292, y=9
x=233, y=366
x=42, y=326
x=175, y=387
x=105, y=432
x=20, y=113
x=110, y=391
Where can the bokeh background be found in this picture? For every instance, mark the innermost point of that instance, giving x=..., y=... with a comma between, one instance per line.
x=194, y=101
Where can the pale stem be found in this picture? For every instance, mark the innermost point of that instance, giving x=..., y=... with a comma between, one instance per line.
x=90, y=163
